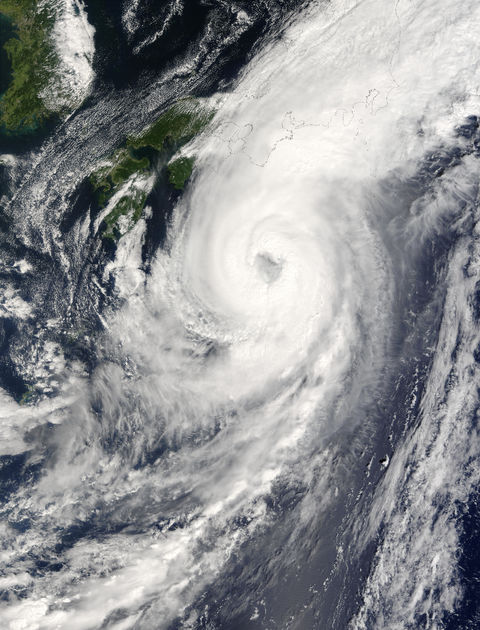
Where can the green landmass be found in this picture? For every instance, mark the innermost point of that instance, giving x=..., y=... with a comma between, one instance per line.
x=142, y=155
x=6, y=33
x=129, y=206
x=179, y=171
x=33, y=59
x=176, y=126
x=27, y=396
x=107, y=180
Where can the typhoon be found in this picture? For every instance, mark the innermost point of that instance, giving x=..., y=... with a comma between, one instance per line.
x=240, y=315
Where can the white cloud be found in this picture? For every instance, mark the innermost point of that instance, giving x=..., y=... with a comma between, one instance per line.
x=261, y=322
x=73, y=40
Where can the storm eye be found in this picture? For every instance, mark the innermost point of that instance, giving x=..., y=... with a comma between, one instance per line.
x=268, y=268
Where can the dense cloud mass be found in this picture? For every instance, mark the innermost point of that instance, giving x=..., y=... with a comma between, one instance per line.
x=265, y=416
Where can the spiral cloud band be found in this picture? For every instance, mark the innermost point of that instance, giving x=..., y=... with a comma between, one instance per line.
x=251, y=362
